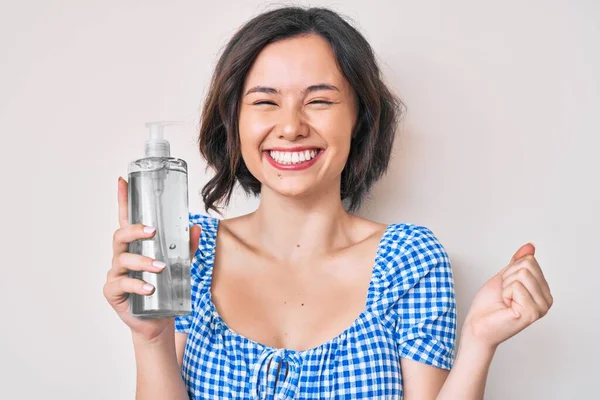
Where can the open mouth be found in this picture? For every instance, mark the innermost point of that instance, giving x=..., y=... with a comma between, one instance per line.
x=293, y=159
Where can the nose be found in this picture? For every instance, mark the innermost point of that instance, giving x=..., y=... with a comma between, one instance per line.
x=293, y=126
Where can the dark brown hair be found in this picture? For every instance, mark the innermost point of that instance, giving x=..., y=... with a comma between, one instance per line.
x=378, y=114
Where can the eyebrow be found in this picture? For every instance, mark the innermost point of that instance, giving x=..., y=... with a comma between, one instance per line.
x=311, y=88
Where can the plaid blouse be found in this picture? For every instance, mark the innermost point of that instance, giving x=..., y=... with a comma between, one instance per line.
x=410, y=312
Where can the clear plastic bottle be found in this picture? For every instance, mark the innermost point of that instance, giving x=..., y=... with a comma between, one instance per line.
x=158, y=197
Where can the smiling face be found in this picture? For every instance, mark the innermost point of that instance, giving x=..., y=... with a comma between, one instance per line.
x=296, y=117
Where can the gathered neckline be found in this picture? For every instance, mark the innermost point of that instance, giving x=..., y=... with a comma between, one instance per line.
x=210, y=262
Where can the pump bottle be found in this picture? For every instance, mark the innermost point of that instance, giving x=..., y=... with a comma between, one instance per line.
x=158, y=197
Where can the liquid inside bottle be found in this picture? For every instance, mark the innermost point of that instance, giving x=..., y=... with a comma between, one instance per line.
x=158, y=197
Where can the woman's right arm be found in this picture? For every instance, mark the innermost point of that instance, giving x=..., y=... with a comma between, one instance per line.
x=180, y=341
x=158, y=367
x=158, y=349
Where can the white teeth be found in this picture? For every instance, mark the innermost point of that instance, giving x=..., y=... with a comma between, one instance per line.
x=286, y=157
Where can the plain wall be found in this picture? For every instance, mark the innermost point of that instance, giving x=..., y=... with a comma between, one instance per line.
x=498, y=148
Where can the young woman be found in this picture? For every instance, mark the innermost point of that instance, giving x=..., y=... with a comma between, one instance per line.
x=302, y=299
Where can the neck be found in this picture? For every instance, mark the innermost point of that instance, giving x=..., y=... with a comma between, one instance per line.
x=292, y=228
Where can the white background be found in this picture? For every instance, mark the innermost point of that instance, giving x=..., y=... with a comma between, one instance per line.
x=499, y=147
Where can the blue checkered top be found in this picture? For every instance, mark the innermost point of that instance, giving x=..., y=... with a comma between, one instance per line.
x=410, y=312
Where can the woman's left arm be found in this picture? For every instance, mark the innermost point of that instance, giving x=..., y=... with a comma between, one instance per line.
x=509, y=302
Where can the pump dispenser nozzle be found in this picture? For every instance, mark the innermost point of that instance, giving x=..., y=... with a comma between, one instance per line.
x=157, y=146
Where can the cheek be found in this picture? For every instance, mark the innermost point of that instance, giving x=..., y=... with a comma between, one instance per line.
x=249, y=147
x=252, y=133
x=336, y=130
x=340, y=158
x=252, y=127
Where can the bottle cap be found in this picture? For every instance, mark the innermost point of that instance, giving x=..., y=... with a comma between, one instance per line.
x=157, y=145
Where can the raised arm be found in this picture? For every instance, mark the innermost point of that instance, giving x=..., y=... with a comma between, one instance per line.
x=509, y=302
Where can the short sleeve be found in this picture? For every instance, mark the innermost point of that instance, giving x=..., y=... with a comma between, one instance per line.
x=425, y=313
x=183, y=323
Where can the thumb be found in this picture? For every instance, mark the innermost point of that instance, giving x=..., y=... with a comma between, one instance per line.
x=194, y=238
x=525, y=250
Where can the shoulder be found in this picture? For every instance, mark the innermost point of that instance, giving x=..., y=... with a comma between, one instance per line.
x=410, y=252
x=405, y=240
x=206, y=222
x=230, y=229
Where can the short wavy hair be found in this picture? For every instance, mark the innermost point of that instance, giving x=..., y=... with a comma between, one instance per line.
x=379, y=110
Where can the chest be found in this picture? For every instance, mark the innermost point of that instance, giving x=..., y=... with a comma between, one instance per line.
x=297, y=306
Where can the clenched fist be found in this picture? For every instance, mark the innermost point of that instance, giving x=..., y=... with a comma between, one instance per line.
x=510, y=301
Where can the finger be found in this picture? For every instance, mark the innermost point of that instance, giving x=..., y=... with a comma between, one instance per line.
x=132, y=285
x=123, y=236
x=524, y=250
x=125, y=262
x=116, y=291
x=527, y=249
x=522, y=303
x=194, y=238
x=531, y=284
x=530, y=263
x=122, y=197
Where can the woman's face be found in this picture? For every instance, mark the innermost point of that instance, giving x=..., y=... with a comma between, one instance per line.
x=296, y=117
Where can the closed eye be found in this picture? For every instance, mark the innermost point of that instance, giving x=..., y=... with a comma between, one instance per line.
x=312, y=102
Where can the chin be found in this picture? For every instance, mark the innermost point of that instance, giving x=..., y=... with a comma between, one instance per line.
x=291, y=188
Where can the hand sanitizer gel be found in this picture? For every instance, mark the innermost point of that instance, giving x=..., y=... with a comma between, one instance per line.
x=158, y=197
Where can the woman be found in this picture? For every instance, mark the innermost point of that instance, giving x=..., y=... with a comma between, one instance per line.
x=301, y=299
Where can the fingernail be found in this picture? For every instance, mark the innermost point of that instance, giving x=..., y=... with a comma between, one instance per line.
x=149, y=229
x=148, y=287
x=159, y=264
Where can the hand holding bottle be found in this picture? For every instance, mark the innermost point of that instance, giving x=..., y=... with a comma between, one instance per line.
x=118, y=284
